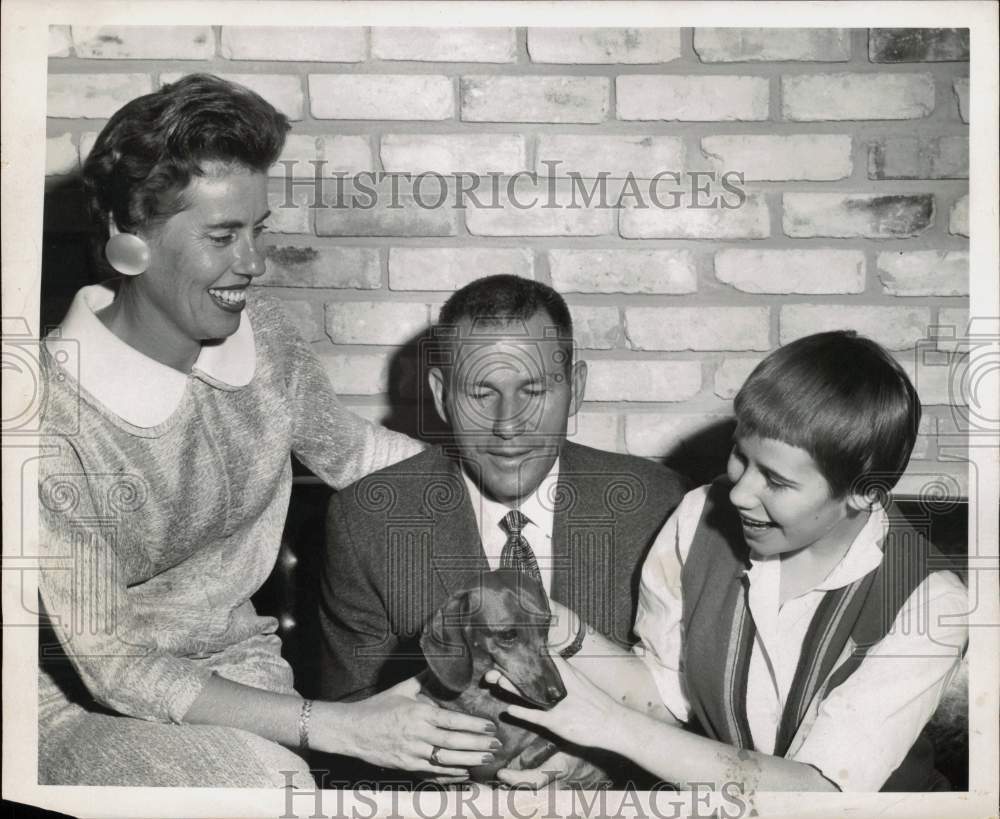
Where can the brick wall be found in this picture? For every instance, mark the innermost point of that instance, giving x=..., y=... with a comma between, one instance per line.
x=853, y=144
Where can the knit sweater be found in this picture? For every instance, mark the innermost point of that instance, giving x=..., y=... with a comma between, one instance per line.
x=163, y=497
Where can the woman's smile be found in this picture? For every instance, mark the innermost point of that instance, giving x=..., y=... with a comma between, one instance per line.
x=230, y=299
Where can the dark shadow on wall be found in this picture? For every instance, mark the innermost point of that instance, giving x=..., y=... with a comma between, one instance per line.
x=411, y=402
x=702, y=456
x=67, y=239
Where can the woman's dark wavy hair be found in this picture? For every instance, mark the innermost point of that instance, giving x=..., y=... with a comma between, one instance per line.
x=841, y=398
x=153, y=146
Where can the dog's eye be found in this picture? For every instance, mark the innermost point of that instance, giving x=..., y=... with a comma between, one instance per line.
x=508, y=635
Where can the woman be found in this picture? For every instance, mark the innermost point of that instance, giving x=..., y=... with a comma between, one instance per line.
x=173, y=406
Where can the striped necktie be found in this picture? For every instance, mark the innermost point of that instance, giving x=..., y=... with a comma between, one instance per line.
x=517, y=553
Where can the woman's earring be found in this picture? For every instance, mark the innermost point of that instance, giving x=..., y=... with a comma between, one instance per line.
x=127, y=253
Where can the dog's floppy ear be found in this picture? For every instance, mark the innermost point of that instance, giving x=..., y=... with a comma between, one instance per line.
x=445, y=646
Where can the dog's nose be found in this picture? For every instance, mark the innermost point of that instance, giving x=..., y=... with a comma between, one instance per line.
x=555, y=692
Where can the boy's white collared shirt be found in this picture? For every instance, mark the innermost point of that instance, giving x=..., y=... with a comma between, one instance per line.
x=859, y=733
x=538, y=507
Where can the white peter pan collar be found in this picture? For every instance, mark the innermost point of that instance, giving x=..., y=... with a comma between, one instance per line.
x=141, y=391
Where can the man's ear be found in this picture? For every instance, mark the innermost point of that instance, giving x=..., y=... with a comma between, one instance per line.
x=578, y=384
x=436, y=379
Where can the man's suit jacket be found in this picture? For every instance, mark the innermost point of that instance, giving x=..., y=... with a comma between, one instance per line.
x=401, y=540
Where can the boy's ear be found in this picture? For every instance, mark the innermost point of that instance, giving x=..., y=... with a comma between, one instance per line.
x=863, y=501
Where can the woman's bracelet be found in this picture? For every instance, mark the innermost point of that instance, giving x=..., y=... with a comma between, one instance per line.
x=574, y=647
x=304, y=724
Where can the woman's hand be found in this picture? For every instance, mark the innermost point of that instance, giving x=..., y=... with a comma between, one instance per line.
x=583, y=717
x=397, y=730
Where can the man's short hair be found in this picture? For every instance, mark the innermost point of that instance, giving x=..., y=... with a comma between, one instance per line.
x=503, y=299
x=843, y=399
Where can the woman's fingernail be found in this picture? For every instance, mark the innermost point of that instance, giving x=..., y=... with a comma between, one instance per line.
x=487, y=758
x=490, y=728
x=496, y=745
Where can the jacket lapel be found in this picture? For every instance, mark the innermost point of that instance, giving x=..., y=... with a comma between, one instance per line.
x=458, y=557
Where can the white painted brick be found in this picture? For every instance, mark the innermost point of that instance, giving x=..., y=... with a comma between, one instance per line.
x=454, y=153
x=381, y=96
x=897, y=328
x=463, y=45
x=94, y=96
x=958, y=219
x=738, y=45
x=623, y=271
x=792, y=271
x=60, y=155
x=731, y=373
x=962, y=92
x=812, y=97
x=952, y=328
x=320, y=44
x=336, y=154
x=357, y=373
x=936, y=377
x=305, y=315
x=327, y=267
x=87, y=140
x=657, y=435
x=285, y=219
x=534, y=219
x=596, y=328
x=378, y=412
x=380, y=211
x=372, y=322
x=535, y=99
x=144, y=42
x=749, y=221
x=913, y=45
x=873, y=216
x=449, y=268
x=698, y=328
x=283, y=91
x=617, y=380
x=595, y=429
x=817, y=157
x=604, y=45
x=641, y=156
x=924, y=272
x=692, y=98
x=925, y=432
x=910, y=157
x=936, y=480
x=60, y=41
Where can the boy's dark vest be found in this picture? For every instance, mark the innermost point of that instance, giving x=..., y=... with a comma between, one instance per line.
x=719, y=632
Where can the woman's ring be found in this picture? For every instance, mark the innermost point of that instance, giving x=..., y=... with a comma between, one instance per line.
x=434, y=756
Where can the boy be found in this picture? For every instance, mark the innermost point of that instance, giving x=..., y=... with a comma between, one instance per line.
x=787, y=612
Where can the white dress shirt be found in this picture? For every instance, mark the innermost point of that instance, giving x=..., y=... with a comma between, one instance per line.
x=858, y=734
x=537, y=507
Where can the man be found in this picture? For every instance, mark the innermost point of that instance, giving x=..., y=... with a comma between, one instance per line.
x=508, y=489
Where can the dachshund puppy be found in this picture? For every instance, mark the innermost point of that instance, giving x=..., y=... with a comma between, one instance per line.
x=502, y=623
